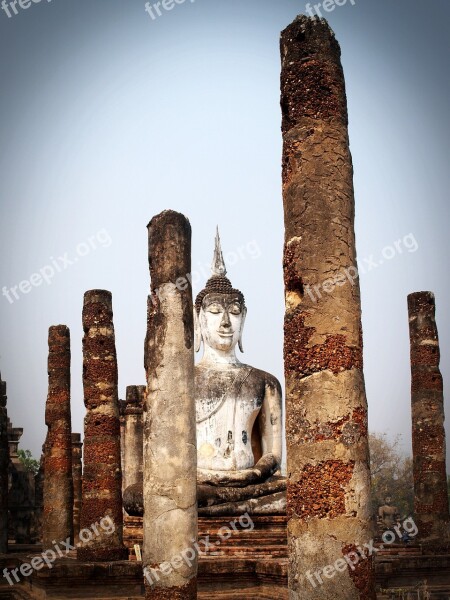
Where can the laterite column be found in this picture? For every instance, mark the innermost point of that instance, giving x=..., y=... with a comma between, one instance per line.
x=428, y=434
x=77, y=472
x=57, y=522
x=326, y=408
x=102, y=474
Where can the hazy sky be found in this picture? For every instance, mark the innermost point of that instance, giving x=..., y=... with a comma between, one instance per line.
x=109, y=117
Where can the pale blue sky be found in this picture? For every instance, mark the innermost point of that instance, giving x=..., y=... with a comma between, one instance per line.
x=109, y=117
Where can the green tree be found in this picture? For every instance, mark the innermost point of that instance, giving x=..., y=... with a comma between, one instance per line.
x=392, y=474
x=26, y=458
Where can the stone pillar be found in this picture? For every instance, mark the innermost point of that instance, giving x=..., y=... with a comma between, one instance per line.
x=4, y=462
x=428, y=433
x=122, y=404
x=326, y=408
x=102, y=474
x=39, y=498
x=170, y=455
x=134, y=434
x=57, y=524
x=77, y=474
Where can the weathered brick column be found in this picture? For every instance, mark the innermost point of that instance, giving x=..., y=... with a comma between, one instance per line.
x=428, y=433
x=4, y=462
x=170, y=454
x=57, y=522
x=134, y=435
x=102, y=474
x=77, y=473
x=326, y=408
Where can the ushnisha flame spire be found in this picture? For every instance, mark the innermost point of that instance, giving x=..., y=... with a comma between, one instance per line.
x=218, y=267
x=218, y=283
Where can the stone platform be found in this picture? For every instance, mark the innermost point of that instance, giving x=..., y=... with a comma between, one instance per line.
x=250, y=564
x=411, y=573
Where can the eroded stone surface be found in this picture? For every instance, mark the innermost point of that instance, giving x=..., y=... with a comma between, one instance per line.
x=326, y=408
x=428, y=433
x=57, y=521
x=77, y=473
x=170, y=455
x=102, y=475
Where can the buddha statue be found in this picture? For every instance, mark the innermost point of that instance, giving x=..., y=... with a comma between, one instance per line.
x=238, y=408
x=238, y=413
x=387, y=515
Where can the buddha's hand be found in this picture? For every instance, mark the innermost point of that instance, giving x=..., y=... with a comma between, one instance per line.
x=267, y=466
x=229, y=478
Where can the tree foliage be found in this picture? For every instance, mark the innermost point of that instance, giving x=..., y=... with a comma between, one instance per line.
x=392, y=474
x=26, y=458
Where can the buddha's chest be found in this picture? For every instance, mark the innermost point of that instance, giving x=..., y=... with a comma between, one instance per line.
x=223, y=397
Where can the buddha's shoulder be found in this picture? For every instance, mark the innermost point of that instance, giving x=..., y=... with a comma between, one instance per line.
x=264, y=377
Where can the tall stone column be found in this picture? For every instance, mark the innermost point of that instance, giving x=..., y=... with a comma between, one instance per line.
x=77, y=473
x=102, y=474
x=4, y=462
x=170, y=455
x=122, y=404
x=57, y=523
x=134, y=435
x=326, y=408
x=428, y=433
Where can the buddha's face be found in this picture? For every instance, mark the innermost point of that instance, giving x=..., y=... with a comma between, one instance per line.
x=221, y=321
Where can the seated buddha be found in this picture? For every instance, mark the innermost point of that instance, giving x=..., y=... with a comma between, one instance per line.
x=238, y=409
x=238, y=413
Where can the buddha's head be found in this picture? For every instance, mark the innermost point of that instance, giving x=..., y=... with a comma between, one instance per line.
x=220, y=310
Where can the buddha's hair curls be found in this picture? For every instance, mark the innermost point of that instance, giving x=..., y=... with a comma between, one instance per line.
x=218, y=284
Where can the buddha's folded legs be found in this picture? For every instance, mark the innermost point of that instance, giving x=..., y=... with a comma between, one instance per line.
x=209, y=495
x=272, y=504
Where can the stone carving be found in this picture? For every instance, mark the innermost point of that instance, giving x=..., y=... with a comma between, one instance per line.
x=388, y=515
x=238, y=407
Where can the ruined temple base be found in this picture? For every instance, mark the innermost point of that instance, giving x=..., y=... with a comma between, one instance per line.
x=251, y=564
x=70, y=579
x=132, y=534
x=412, y=573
